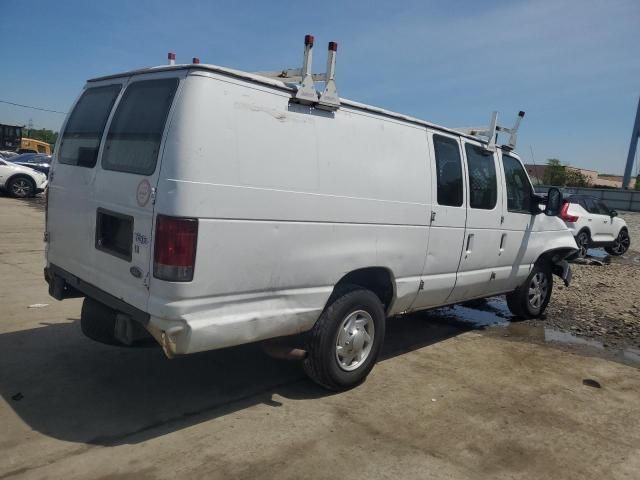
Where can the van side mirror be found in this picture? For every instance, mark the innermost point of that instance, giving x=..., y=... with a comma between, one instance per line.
x=613, y=213
x=554, y=202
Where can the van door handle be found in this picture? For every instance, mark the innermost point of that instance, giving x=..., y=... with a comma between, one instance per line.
x=503, y=240
x=469, y=244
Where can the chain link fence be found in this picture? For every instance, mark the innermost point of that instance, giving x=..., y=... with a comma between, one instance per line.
x=619, y=199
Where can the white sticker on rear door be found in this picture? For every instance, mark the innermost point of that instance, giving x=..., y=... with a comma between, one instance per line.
x=143, y=193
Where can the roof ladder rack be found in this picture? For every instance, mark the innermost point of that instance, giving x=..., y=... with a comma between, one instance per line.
x=306, y=91
x=491, y=132
x=302, y=80
x=329, y=99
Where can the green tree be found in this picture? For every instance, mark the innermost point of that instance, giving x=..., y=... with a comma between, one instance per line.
x=637, y=186
x=555, y=173
x=575, y=178
x=42, y=134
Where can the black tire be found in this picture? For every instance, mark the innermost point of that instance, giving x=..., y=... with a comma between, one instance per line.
x=21, y=186
x=583, y=240
x=621, y=244
x=525, y=305
x=98, y=322
x=323, y=363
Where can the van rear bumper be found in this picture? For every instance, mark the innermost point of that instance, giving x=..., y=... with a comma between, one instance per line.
x=64, y=284
x=227, y=322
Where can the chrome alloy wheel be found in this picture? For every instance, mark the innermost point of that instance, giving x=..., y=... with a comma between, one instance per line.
x=538, y=290
x=21, y=187
x=622, y=243
x=354, y=340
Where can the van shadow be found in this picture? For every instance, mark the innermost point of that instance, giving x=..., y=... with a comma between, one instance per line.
x=73, y=389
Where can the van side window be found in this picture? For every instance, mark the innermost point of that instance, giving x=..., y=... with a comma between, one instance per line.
x=519, y=191
x=134, y=137
x=449, y=171
x=82, y=136
x=483, y=186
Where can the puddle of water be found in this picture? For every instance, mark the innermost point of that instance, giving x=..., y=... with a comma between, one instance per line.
x=628, y=258
x=494, y=318
x=598, y=253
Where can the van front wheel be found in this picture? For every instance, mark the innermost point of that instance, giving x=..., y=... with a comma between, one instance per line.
x=343, y=345
x=531, y=298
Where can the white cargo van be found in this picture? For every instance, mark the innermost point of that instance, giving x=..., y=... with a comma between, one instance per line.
x=213, y=207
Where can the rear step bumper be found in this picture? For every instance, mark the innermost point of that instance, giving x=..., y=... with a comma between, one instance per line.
x=63, y=284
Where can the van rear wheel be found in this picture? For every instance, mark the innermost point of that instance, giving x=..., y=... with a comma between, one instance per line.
x=343, y=345
x=531, y=298
x=98, y=322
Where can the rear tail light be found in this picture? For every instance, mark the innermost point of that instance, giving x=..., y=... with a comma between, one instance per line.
x=564, y=213
x=174, y=254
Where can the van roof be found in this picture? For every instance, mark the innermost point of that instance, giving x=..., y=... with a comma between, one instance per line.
x=252, y=77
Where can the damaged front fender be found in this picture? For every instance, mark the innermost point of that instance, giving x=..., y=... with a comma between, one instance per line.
x=563, y=270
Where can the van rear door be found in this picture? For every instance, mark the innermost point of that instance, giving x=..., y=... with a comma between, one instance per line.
x=113, y=237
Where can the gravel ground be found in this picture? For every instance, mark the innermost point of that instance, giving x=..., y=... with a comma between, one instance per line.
x=603, y=301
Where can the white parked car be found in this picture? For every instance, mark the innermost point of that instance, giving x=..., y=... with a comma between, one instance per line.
x=594, y=224
x=212, y=207
x=21, y=181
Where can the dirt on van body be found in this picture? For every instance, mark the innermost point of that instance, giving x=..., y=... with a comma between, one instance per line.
x=603, y=301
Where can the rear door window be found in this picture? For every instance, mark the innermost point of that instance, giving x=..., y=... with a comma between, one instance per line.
x=483, y=184
x=449, y=171
x=82, y=136
x=134, y=137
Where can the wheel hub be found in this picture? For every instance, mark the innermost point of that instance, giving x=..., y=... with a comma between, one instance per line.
x=621, y=243
x=20, y=188
x=354, y=340
x=538, y=289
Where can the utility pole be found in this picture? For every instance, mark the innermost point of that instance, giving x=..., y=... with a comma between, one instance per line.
x=635, y=134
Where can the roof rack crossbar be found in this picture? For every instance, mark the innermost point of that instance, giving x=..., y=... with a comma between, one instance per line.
x=491, y=132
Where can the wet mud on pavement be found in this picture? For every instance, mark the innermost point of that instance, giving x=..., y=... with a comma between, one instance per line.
x=492, y=318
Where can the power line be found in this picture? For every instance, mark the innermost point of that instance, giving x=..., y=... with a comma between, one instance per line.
x=34, y=108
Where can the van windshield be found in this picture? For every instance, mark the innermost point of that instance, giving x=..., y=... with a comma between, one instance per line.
x=83, y=133
x=134, y=137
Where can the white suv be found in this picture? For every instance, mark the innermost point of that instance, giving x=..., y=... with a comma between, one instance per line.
x=21, y=181
x=594, y=224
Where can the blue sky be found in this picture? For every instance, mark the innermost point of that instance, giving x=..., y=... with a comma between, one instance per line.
x=572, y=65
